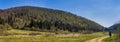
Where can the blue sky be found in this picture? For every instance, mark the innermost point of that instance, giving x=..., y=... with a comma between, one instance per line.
x=104, y=12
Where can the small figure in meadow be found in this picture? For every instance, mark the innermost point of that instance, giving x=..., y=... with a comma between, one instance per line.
x=110, y=34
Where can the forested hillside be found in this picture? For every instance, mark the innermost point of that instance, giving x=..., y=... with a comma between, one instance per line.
x=45, y=19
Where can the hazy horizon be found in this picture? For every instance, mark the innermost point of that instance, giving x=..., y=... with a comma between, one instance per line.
x=104, y=12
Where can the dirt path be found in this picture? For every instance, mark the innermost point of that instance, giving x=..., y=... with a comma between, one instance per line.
x=99, y=39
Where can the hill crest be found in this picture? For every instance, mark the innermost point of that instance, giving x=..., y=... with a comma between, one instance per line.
x=42, y=19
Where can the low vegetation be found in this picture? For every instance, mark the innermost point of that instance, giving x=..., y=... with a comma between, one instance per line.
x=47, y=37
x=112, y=39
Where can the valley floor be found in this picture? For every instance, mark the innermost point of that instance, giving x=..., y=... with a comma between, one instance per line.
x=47, y=37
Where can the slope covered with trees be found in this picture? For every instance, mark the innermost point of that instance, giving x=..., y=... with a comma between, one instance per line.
x=45, y=19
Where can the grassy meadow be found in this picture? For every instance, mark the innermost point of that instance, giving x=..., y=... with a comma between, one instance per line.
x=112, y=39
x=32, y=36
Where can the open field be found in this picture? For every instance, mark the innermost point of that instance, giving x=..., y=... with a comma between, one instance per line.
x=25, y=36
x=110, y=39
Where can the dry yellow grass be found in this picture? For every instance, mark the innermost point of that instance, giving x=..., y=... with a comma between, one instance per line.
x=47, y=37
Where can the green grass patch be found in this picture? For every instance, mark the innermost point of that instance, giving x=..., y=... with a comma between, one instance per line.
x=112, y=39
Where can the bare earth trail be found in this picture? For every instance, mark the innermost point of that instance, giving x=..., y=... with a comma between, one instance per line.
x=99, y=39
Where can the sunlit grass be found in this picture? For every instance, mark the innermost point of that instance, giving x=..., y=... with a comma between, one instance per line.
x=112, y=39
x=48, y=37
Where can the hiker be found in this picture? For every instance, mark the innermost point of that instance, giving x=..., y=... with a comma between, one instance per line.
x=110, y=34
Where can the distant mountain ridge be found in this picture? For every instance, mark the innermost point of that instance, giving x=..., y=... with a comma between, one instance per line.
x=114, y=27
x=45, y=19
